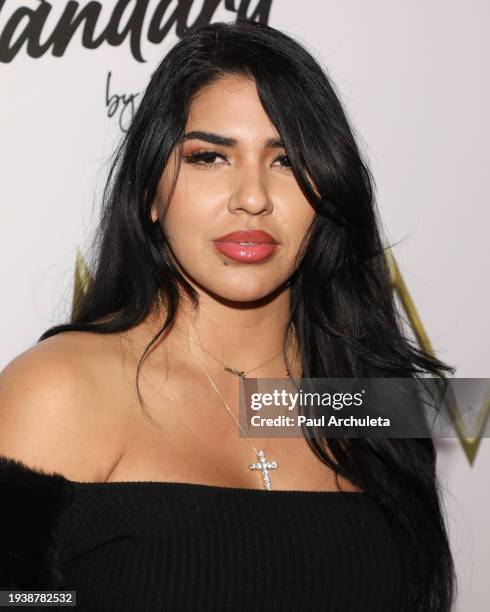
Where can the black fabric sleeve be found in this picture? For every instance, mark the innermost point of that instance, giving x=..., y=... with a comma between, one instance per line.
x=32, y=503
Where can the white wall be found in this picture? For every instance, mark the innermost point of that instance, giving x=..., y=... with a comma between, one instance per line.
x=415, y=79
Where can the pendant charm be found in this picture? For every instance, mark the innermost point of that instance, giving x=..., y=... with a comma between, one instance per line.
x=264, y=466
x=242, y=374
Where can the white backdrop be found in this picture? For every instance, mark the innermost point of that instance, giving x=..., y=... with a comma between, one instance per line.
x=414, y=77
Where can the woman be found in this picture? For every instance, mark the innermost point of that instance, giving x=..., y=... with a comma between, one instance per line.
x=239, y=236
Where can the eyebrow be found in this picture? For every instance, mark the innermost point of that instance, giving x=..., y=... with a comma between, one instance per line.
x=227, y=141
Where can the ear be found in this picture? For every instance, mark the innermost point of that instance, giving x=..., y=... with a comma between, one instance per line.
x=33, y=506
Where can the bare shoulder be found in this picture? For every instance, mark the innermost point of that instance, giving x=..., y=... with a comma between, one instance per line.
x=53, y=413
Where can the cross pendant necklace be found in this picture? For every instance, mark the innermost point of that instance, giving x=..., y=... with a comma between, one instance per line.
x=264, y=466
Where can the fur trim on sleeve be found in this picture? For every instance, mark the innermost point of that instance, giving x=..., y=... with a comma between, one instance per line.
x=32, y=503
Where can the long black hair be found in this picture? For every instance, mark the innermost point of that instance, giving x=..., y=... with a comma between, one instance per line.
x=342, y=302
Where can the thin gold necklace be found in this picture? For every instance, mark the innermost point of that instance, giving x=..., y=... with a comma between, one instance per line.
x=240, y=373
x=262, y=463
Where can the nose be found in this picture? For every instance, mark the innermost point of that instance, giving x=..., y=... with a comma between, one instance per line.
x=250, y=193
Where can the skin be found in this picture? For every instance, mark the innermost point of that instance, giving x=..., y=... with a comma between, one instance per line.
x=248, y=185
x=244, y=307
x=241, y=320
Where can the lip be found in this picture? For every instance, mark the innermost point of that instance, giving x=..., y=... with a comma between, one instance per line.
x=248, y=235
x=261, y=245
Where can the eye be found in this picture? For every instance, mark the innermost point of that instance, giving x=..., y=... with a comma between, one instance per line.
x=208, y=158
x=284, y=159
x=204, y=158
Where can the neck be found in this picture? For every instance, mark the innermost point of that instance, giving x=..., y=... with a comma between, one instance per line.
x=241, y=336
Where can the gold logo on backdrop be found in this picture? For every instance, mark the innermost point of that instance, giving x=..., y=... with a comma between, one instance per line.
x=469, y=443
x=82, y=282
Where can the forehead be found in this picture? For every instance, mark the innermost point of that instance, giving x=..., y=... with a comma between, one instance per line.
x=230, y=105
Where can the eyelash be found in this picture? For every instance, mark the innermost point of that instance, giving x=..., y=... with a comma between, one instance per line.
x=199, y=158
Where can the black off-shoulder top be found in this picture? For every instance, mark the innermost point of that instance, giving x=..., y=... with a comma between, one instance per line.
x=172, y=546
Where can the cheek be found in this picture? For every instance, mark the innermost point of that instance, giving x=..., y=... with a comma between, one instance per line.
x=179, y=213
x=296, y=220
x=186, y=225
x=193, y=196
x=180, y=225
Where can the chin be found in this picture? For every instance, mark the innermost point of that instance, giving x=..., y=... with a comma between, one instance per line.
x=246, y=291
x=235, y=286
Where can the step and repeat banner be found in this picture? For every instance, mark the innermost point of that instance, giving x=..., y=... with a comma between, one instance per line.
x=413, y=77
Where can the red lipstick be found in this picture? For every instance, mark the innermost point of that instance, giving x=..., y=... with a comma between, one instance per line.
x=247, y=246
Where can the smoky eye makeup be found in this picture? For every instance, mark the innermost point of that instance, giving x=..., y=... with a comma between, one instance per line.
x=208, y=157
x=203, y=157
